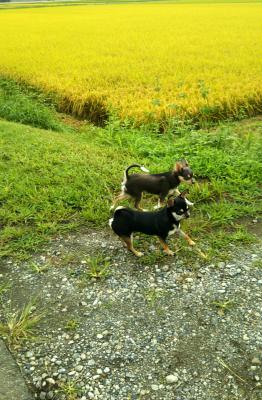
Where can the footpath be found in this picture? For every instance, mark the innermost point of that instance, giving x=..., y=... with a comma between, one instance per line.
x=12, y=383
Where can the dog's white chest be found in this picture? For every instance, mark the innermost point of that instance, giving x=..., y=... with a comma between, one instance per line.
x=174, y=230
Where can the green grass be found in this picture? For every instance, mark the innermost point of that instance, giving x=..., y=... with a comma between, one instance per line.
x=25, y=105
x=53, y=182
x=20, y=325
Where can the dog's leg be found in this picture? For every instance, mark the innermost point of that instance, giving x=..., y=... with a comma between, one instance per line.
x=158, y=204
x=137, y=201
x=162, y=200
x=129, y=244
x=186, y=237
x=166, y=249
x=121, y=196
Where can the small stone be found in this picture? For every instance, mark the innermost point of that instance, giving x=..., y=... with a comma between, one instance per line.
x=71, y=373
x=91, y=363
x=172, y=378
x=221, y=264
x=154, y=387
x=257, y=378
x=99, y=336
x=256, y=361
x=51, y=381
x=79, y=368
x=245, y=337
x=42, y=396
x=106, y=370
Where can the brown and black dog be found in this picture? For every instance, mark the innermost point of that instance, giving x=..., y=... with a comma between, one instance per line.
x=162, y=184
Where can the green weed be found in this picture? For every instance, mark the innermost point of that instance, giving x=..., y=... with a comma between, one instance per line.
x=20, y=325
x=71, y=325
x=257, y=264
x=38, y=269
x=70, y=389
x=152, y=295
x=97, y=268
x=223, y=306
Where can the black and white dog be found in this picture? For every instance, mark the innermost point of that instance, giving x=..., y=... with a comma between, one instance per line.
x=161, y=223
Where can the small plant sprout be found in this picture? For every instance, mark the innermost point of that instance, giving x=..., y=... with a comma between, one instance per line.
x=70, y=389
x=223, y=305
x=98, y=267
x=38, y=269
x=72, y=324
x=20, y=325
x=152, y=295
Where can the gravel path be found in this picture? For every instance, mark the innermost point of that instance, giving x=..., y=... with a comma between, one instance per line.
x=157, y=328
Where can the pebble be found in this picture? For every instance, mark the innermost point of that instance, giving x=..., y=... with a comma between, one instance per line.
x=154, y=387
x=51, y=381
x=172, y=378
x=221, y=264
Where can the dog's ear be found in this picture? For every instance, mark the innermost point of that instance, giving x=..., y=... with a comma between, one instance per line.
x=184, y=193
x=170, y=201
x=178, y=166
x=184, y=162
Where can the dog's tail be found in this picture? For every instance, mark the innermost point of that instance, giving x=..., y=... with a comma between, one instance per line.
x=133, y=166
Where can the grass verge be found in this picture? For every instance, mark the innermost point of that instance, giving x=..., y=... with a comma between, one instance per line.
x=26, y=105
x=52, y=182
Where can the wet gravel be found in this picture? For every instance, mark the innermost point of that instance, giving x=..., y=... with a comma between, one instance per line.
x=157, y=328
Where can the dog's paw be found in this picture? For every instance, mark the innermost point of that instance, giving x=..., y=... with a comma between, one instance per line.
x=139, y=253
x=169, y=252
x=191, y=243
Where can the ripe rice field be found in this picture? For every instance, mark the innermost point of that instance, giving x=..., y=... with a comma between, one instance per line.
x=147, y=62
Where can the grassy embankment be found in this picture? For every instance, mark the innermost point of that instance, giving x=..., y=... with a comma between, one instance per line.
x=55, y=180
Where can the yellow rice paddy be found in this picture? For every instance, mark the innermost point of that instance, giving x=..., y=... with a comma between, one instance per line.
x=145, y=61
